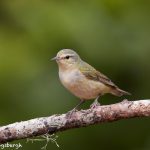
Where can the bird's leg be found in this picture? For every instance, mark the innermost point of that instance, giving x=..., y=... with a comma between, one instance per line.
x=81, y=102
x=75, y=108
x=95, y=103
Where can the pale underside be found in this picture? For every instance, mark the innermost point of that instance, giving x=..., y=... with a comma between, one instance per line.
x=80, y=86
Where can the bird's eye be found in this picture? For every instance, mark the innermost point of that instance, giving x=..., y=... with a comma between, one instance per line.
x=67, y=57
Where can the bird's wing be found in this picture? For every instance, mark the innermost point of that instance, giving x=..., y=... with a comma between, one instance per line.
x=92, y=74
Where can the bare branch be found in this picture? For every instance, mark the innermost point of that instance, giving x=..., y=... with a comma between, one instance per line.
x=55, y=123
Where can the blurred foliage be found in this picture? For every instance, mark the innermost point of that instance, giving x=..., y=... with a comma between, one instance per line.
x=112, y=35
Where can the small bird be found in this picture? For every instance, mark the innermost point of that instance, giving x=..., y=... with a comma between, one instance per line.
x=82, y=80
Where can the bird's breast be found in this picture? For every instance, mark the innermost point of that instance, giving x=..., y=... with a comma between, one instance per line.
x=80, y=86
x=70, y=78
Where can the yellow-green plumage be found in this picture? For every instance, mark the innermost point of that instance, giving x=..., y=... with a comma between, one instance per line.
x=92, y=74
x=82, y=79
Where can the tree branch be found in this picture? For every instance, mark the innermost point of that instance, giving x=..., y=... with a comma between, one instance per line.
x=83, y=118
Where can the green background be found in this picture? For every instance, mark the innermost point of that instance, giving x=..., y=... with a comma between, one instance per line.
x=111, y=35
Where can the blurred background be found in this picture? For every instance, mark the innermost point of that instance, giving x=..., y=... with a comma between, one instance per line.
x=111, y=35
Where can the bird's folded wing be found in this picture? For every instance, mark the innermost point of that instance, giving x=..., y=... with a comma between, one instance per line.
x=92, y=74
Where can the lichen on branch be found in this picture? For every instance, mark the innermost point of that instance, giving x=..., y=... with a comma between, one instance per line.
x=55, y=123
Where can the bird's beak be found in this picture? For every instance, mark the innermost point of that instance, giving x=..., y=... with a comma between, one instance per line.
x=55, y=58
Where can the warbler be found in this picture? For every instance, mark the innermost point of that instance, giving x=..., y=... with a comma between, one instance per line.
x=83, y=80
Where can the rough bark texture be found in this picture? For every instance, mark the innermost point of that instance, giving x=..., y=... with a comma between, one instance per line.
x=55, y=123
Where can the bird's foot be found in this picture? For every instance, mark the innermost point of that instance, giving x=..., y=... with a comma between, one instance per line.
x=125, y=101
x=95, y=104
x=70, y=113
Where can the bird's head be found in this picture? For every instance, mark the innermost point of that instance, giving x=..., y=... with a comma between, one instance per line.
x=67, y=58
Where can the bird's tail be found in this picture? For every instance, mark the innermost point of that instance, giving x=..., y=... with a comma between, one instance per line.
x=119, y=92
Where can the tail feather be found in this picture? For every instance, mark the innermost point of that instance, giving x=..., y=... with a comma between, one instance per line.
x=119, y=92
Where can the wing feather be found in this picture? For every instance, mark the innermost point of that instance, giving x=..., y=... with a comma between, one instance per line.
x=91, y=73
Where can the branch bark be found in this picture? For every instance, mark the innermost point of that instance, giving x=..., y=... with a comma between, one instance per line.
x=52, y=124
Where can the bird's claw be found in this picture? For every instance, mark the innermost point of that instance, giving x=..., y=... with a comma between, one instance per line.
x=95, y=104
x=71, y=112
